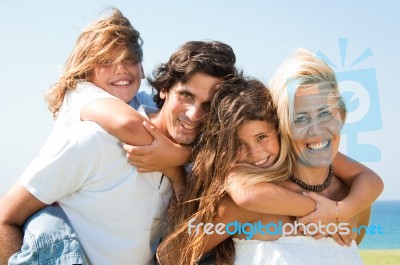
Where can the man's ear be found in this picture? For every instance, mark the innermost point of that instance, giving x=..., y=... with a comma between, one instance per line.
x=163, y=94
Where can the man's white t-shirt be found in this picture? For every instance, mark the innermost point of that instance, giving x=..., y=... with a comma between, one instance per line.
x=76, y=99
x=116, y=212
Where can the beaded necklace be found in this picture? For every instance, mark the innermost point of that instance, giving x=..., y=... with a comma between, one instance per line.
x=315, y=188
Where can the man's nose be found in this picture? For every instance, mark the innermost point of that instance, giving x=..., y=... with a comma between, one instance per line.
x=195, y=113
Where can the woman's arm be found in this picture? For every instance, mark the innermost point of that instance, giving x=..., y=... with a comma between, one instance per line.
x=362, y=220
x=365, y=186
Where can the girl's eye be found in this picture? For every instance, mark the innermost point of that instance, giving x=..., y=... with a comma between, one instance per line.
x=262, y=137
x=240, y=143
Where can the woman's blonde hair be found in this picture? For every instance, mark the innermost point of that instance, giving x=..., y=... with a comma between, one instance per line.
x=236, y=101
x=93, y=47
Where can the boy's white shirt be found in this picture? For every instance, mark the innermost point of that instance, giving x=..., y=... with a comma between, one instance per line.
x=116, y=212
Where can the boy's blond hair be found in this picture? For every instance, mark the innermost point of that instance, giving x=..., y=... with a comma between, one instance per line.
x=93, y=47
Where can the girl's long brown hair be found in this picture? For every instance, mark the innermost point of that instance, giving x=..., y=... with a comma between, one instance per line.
x=236, y=101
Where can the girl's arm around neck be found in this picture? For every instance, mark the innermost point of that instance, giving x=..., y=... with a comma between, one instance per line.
x=147, y=148
x=269, y=198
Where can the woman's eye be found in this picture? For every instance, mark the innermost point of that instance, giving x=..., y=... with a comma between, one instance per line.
x=324, y=115
x=301, y=120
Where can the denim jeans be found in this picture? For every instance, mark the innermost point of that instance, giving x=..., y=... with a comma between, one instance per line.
x=49, y=239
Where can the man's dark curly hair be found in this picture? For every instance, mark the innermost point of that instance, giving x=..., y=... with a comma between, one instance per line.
x=213, y=58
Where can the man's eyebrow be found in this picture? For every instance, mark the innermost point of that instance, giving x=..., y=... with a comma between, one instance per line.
x=185, y=89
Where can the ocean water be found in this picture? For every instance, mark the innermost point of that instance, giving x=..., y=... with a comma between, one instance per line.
x=384, y=226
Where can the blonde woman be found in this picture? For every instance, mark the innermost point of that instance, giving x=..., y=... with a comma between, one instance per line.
x=230, y=152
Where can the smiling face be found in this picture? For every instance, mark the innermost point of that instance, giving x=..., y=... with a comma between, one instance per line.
x=182, y=115
x=316, y=126
x=258, y=144
x=121, y=79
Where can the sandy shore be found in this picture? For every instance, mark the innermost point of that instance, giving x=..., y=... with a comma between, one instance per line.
x=380, y=256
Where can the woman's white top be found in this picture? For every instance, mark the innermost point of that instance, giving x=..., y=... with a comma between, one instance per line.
x=295, y=250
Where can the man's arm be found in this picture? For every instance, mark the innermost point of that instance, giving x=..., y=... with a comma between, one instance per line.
x=177, y=177
x=16, y=206
x=228, y=212
x=59, y=170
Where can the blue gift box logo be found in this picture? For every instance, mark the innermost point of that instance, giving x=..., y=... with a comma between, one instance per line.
x=360, y=91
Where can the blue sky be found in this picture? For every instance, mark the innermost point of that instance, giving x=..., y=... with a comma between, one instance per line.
x=361, y=39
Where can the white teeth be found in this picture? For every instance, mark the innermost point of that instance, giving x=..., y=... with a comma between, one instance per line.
x=260, y=162
x=187, y=126
x=121, y=83
x=319, y=146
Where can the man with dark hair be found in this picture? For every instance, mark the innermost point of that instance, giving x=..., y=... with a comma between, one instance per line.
x=116, y=212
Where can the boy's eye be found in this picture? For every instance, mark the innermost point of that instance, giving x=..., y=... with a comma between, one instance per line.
x=107, y=62
x=130, y=59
